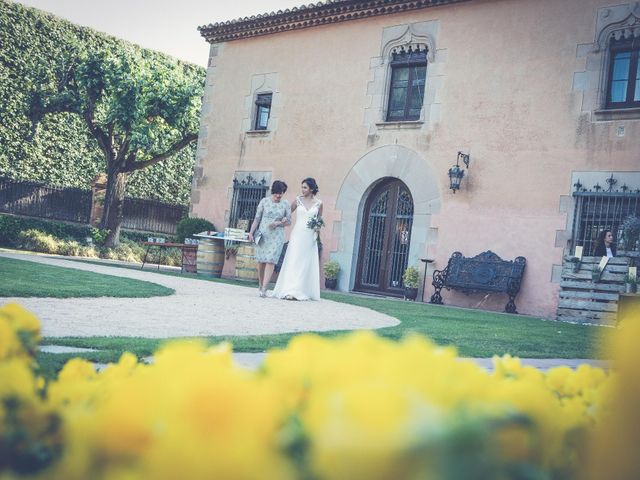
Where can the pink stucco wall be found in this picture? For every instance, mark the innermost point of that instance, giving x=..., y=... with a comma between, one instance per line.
x=507, y=97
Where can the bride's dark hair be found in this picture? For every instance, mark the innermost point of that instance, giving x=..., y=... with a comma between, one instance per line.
x=311, y=183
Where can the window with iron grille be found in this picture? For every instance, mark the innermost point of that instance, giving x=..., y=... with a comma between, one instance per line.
x=263, y=111
x=624, y=73
x=597, y=211
x=408, y=77
x=247, y=194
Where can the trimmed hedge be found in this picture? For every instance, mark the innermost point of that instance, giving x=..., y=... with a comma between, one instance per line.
x=62, y=152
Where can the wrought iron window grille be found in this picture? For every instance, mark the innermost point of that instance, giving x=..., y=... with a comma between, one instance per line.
x=599, y=208
x=247, y=194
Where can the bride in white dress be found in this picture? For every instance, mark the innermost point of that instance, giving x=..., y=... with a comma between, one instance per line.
x=299, y=277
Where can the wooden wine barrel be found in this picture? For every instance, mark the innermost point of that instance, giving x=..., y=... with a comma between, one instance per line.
x=210, y=257
x=246, y=266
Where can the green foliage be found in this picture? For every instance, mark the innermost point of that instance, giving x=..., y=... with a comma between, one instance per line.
x=411, y=277
x=37, y=241
x=331, y=269
x=188, y=226
x=631, y=279
x=630, y=229
x=65, y=239
x=38, y=50
x=10, y=228
x=98, y=235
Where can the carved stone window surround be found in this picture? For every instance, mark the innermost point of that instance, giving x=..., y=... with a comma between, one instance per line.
x=261, y=83
x=395, y=37
x=617, y=20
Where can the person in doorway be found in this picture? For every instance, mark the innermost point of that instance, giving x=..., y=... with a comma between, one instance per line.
x=267, y=232
x=299, y=277
x=605, y=246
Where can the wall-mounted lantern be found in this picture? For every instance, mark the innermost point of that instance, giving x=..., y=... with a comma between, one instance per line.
x=456, y=173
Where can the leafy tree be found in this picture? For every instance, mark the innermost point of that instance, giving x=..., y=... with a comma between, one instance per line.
x=140, y=112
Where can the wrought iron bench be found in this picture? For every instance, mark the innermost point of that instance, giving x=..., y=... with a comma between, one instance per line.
x=485, y=272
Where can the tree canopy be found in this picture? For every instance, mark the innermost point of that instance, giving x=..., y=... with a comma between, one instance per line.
x=36, y=48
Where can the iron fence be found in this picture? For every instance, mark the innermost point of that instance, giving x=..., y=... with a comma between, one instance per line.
x=34, y=199
x=152, y=215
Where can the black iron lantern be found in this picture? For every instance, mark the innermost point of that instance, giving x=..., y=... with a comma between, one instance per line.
x=456, y=173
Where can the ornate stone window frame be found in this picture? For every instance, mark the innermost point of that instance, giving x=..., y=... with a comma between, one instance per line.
x=261, y=83
x=619, y=20
x=395, y=38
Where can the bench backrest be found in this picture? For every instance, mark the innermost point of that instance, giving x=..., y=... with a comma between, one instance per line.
x=485, y=272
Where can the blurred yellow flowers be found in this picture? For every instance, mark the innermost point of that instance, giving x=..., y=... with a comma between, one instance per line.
x=353, y=407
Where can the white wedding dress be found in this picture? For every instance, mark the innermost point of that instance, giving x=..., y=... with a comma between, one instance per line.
x=299, y=276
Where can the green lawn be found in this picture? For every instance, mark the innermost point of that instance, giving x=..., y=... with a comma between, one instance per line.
x=475, y=333
x=21, y=278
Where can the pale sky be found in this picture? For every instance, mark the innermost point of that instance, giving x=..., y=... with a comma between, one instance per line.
x=164, y=25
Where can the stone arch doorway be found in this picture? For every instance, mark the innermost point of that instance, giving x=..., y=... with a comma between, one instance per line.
x=388, y=161
x=385, y=238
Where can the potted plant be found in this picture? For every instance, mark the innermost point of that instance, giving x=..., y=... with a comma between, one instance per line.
x=331, y=270
x=411, y=280
x=575, y=262
x=630, y=284
x=596, y=272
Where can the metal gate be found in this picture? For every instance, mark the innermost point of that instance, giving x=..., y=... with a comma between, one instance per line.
x=385, y=239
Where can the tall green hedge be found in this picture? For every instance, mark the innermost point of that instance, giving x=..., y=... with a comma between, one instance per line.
x=62, y=152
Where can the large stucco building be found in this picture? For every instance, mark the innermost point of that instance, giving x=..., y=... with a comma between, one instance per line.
x=376, y=98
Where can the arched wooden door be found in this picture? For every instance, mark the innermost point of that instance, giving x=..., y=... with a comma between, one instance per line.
x=385, y=239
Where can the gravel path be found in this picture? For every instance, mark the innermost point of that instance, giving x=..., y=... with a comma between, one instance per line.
x=198, y=308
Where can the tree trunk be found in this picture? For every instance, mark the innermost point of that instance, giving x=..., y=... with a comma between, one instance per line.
x=113, y=206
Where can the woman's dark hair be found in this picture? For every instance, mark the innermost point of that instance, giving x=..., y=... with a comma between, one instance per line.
x=601, y=237
x=278, y=187
x=311, y=183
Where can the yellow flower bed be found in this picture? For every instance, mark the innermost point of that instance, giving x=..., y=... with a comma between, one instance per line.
x=356, y=407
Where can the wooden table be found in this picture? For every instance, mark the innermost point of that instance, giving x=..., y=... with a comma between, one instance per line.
x=189, y=253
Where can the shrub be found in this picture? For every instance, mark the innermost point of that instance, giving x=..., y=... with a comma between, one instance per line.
x=70, y=248
x=188, y=226
x=411, y=277
x=38, y=241
x=11, y=227
x=331, y=269
x=99, y=235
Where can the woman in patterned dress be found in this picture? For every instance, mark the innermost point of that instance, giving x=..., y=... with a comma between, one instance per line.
x=267, y=231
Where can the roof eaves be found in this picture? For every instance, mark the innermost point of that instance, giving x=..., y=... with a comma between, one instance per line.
x=311, y=15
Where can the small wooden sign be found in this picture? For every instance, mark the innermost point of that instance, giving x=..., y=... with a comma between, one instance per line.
x=578, y=252
x=633, y=272
x=603, y=263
